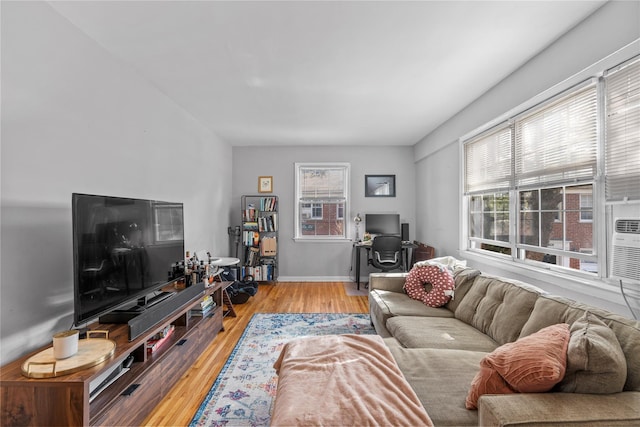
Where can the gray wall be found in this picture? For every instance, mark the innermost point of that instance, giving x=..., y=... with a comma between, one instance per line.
x=332, y=260
x=75, y=119
x=602, y=35
x=437, y=182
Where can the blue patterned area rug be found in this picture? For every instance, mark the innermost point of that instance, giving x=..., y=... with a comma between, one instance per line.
x=243, y=393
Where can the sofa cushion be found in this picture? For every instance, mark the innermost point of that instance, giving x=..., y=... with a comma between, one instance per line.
x=463, y=278
x=560, y=409
x=387, y=281
x=497, y=307
x=595, y=361
x=551, y=309
x=385, y=304
x=532, y=364
x=425, y=332
x=440, y=378
x=395, y=304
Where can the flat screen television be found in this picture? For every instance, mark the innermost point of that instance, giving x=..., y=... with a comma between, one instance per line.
x=123, y=249
x=377, y=224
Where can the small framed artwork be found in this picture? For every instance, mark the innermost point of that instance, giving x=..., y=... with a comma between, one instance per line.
x=380, y=186
x=265, y=184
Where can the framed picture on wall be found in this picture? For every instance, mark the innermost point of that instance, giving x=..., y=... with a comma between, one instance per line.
x=265, y=184
x=380, y=186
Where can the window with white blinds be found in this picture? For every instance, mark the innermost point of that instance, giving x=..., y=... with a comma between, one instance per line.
x=524, y=181
x=558, y=142
x=532, y=185
x=322, y=194
x=488, y=162
x=622, y=132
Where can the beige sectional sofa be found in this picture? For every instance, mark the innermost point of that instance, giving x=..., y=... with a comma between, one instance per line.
x=439, y=351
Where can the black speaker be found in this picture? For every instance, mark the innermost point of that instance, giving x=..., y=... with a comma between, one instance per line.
x=140, y=322
x=405, y=231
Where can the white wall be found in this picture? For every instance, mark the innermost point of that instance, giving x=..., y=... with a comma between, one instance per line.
x=323, y=261
x=437, y=181
x=602, y=35
x=75, y=119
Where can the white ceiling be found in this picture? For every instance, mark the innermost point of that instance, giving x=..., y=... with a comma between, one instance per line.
x=324, y=72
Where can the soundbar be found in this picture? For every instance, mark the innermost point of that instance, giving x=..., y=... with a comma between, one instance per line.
x=141, y=321
x=139, y=324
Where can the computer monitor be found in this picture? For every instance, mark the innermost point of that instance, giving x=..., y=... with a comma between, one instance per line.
x=376, y=224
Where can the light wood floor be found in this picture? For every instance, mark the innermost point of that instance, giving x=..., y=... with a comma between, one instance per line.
x=179, y=406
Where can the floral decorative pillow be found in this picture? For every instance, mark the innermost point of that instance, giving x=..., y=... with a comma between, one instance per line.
x=531, y=364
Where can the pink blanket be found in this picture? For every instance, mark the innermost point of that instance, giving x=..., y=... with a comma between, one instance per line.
x=343, y=380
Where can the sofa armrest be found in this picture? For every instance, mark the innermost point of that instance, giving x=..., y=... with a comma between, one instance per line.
x=553, y=409
x=393, y=282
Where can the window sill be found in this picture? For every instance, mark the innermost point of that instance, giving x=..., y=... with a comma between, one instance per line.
x=592, y=287
x=321, y=240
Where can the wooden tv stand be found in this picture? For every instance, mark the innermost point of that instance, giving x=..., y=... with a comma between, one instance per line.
x=64, y=400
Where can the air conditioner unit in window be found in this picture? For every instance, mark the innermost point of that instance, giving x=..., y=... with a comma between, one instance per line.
x=625, y=251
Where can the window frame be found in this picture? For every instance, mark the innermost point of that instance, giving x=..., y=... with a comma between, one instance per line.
x=317, y=211
x=564, y=253
x=583, y=210
x=345, y=167
x=516, y=251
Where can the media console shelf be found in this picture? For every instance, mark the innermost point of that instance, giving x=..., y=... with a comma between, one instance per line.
x=65, y=400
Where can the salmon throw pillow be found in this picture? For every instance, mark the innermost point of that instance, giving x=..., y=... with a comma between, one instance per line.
x=532, y=364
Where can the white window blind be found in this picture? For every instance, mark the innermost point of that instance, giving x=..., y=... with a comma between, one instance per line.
x=322, y=184
x=558, y=141
x=622, y=154
x=488, y=162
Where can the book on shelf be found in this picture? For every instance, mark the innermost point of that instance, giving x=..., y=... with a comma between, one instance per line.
x=250, y=225
x=268, y=223
x=251, y=238
x=160, y=338
x=253, y=256
x=268, y=204
x=202, y=312
x=206, y=305
x=263, y=272
x=249, y=214
x=206, y=302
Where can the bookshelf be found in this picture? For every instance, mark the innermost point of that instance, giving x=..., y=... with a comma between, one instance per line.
x=260, y=237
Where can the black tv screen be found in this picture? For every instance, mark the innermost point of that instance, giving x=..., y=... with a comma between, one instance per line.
x=123, y=249
x=382, y=224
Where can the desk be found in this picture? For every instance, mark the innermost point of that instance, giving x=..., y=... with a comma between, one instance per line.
x=358, y=246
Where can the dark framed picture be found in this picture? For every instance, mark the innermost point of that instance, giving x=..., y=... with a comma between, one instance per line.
x=380, y=186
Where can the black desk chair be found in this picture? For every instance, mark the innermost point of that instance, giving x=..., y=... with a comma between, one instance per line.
x=386, y=253
x=97, y=266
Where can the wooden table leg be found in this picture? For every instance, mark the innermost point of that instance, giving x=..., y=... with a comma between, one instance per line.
x=227, y=301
